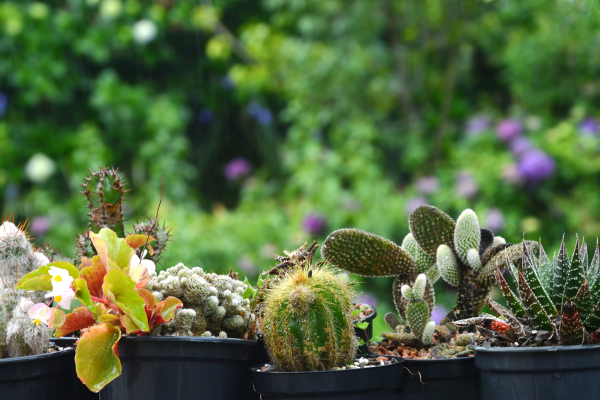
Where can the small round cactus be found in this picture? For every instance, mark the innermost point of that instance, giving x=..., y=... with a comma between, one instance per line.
x=308, y=321
x=212, y=303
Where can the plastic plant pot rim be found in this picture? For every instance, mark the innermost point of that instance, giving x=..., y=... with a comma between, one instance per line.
x=323, y=383
x=368, y=318
x=543, y=349
x=15, y=360
x=198, y=339
x=538, y=359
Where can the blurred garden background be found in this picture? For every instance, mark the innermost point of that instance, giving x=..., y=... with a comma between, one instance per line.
x=268, y=123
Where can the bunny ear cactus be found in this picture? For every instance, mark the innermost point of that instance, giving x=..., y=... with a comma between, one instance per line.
x=462, y=253
x=308, y=320
x=110, y=287
x=556, y=301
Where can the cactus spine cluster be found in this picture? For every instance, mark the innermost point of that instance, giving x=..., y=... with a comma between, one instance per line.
x=213, y=304
x=17, y=258
x=556, y=302
x=308, y=320
x=462, y=253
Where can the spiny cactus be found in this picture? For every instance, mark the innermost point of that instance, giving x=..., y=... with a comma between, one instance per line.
x=160, y=234
x=557, y=301
x=23, y=337
x=460, y=252
x=17, y=258
x=212, y=302
x=104, y=192
x=308, y=320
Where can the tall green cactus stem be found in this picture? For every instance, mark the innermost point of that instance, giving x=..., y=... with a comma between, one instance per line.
x=104, y=192
x=434, y=236
x=308, y=321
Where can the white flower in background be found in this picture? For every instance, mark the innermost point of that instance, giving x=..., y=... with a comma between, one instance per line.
x=110, y=8
x=39, y=168
x=40, y=313
x=8, y=228
x=149, y=264
x=144, y=31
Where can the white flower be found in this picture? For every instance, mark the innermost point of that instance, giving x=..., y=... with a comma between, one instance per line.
x=61, y=280
x=144, y=31
x=39, y=168
x=40, y=313
x=149, y=264
x=8, y=228
x=110, y=9
x=63, y=297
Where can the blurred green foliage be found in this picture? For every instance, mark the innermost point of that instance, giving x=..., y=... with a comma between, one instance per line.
x=343, y=114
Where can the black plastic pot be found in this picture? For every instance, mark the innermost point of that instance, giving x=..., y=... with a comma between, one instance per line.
x=81, y=392
x=178, y=368
x=42, y=377
x=450, y=379
x=376, y=383
x=553, y=372
x=366, y=334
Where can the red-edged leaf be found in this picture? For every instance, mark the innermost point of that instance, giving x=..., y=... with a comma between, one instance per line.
x=148, y=296
x=136, y=241
x=110, y=319
x=165, y=311
x=94, y=276
x=130, y=325
x=85, y=262
x=97, y=356
x=79, y=319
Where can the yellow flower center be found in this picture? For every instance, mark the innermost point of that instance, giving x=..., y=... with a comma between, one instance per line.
x=57, y=278
x=58, y=299
x=37, y=322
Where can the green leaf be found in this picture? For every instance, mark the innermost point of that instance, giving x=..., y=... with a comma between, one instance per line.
x=83, y=294
x=40, y=279
x=362, y=325
x=367, y=254
x=536, y=314
x=576, y=274
x=431, y=228
x=110, y=246
x=120, y=290
x=511, y=300
x=96, y=359
x=561, y=272
x=532, y=278
x=361, y=342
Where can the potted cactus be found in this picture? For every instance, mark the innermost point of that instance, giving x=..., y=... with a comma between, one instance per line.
x=306, y=318
x=545, y=343
x=464, y=255
x=29, y=366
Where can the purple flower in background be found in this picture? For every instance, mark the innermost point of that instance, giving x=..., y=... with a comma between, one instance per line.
x=536, y=165
x=367, y=298
x=520, y=146
x=494, y=219
x=465, y=185
x=511, y=174
x=227, y=83
x=589, y=127
x=39, y=226
x=3, y=103
x=205, y=116
x=509, y=129
x=314, y=224
x=414, y=203
x=261, y=114
x=439, y=312
x=428, y=185
x=237, y=168
x=477, y=125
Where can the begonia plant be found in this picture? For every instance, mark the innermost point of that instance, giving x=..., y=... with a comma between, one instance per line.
x=110, y=288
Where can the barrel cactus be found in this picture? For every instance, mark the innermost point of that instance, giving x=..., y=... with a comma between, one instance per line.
x=557, y=302
x=212, y=303
x=308, y=320
x=462, y=253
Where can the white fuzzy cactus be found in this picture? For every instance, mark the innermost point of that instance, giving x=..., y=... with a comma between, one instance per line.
x=216, y=301
x=17, y=258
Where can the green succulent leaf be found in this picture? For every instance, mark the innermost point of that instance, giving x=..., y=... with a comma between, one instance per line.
x=576, y=274
x=531, y=276
x=431, y=228
x=571, y=328
x=546, y=270
x=511, y=300
x=561, y=273
x=536, y=314
x=583, y=301
x=467, y=234
x=367, y=254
